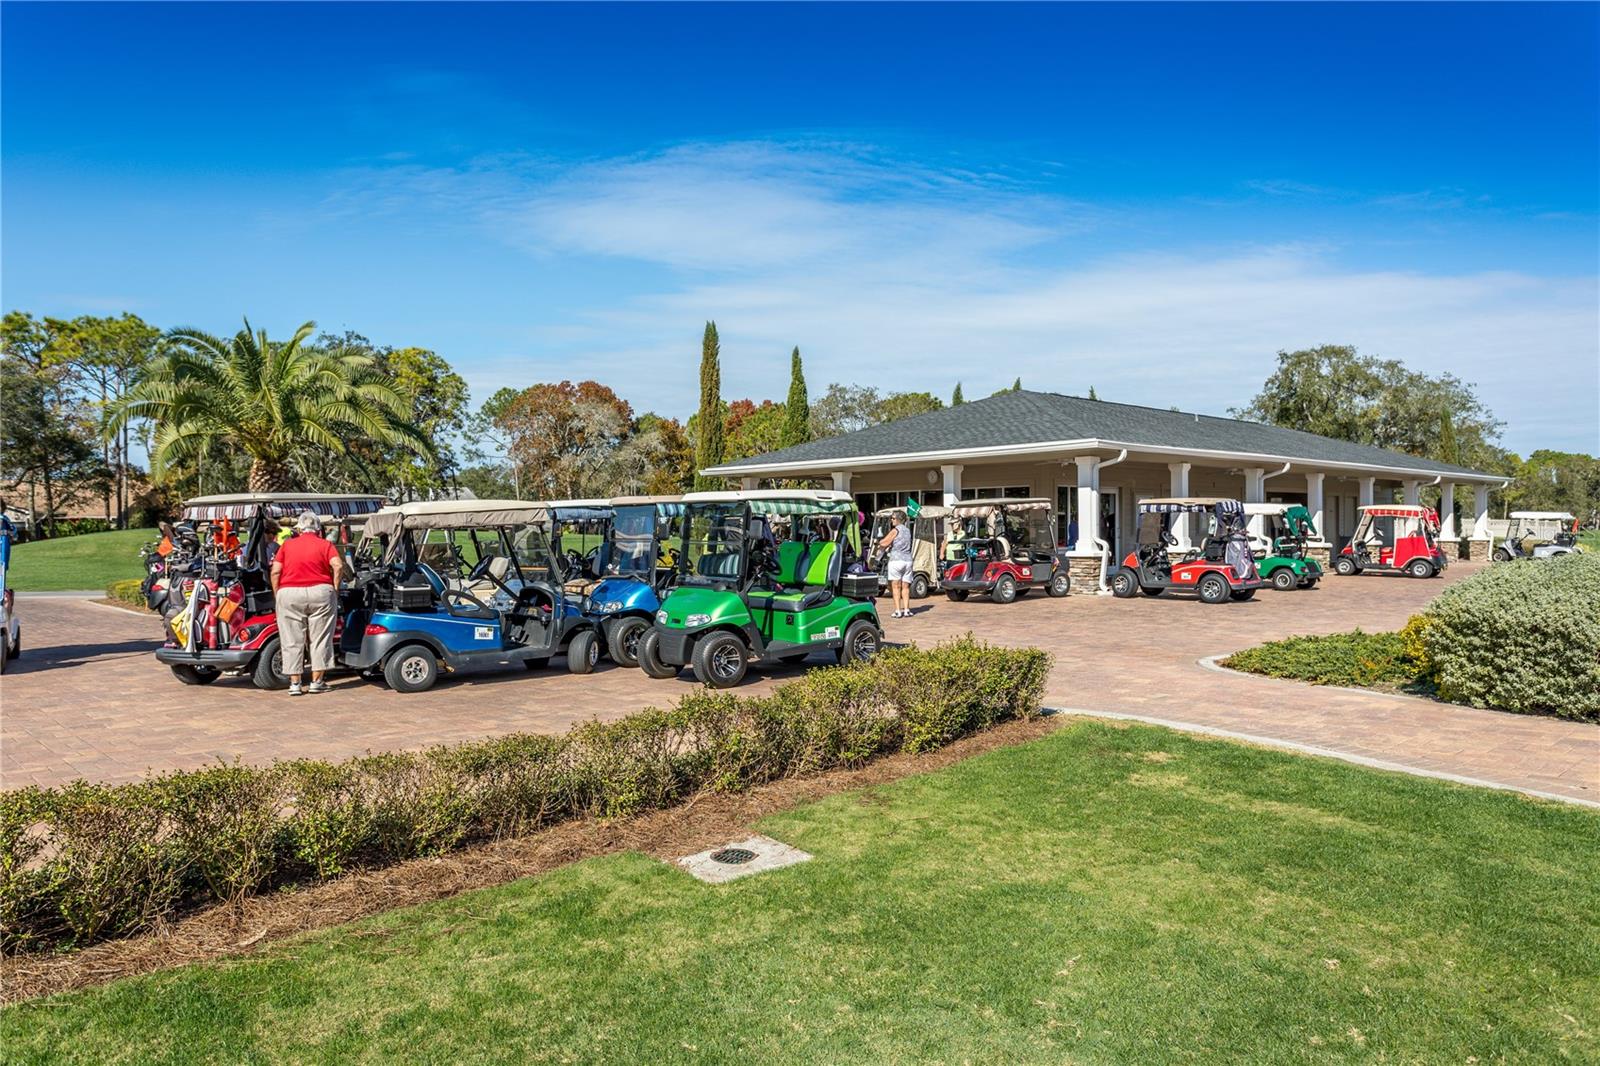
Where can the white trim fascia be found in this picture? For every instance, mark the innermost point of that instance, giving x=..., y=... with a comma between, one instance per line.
x=1050, y=447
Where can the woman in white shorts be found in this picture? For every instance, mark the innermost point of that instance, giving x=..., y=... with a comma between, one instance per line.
x=897, y=542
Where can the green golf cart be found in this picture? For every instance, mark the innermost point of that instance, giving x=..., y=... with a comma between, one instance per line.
x=762, y=579
x=1280, y=545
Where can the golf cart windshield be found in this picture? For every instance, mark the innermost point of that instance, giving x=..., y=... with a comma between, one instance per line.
x=1029, y=528
x=713, y=541
x=639, y=534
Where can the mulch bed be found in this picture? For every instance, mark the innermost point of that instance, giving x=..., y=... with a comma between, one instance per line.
x=225, y=931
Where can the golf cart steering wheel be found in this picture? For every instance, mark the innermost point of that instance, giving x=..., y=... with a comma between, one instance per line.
x=479, y=572
x=1168, y=539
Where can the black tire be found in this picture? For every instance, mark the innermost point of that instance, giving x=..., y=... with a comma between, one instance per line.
x=268, y=673
x=1213, y=588
x=1242, y=595
x=720, y=660
x=1346, y=566
x=15, y=651
x=624, y=639
x=1060, y=584
x=1005, y=589
x=1500, y=555
x=862, y=641
x=1310, y=583
x=583, y=652
x=957, y=595
x=1151, y=592
x=1420, y=568
x=412, y=668
x=1124, y=584
x=650, y=657
x=1284, y=579
x=195, y=675
x=919, y=586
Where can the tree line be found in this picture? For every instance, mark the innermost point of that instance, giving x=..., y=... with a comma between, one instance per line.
x=336, y=412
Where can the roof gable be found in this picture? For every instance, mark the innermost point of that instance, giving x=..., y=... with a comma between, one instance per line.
x=1022, y=417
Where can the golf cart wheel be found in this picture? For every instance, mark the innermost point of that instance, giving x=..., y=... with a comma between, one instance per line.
x=583, y=653
x=1285, y=579
x=861, y=642
x=195, y=675
x=1060, y=584
x=626, y=636
x=919, y=586
x=411, y=669
x=1420, y=568
x=957, y=595
x=1500, y=555
x=650, y=657
x=1346, y=566
x=1214, y=589
x=1124, y=585
x=268, y=672
x=1005, y=589
x=1151, y=592
x=720, y=660
x=14, y=651
x=1243, y=595
x=1310, y=583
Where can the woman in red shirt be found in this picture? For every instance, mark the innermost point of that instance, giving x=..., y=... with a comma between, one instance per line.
x=306, y=574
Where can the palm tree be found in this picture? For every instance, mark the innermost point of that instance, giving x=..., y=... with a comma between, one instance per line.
x=269, y=400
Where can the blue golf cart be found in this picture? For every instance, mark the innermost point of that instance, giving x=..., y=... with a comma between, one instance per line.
x=463, y=585
x=638, y=568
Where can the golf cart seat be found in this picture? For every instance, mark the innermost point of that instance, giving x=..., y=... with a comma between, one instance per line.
x=806, y=576
x=499, y=567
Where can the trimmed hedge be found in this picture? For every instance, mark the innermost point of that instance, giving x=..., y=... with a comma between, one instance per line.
x=87, y=861
x=1363, y=660
x=1521, y=636
x=130, y=592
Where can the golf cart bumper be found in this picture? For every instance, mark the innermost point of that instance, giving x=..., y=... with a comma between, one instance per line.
x=220, y=658
x=966, y=585
x=674, y=646
x=374, y=648
x=1236, y=585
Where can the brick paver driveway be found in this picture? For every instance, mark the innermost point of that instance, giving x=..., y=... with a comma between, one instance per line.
x=88, y=700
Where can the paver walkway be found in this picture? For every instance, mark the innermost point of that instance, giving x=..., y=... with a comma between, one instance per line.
x=88, y=700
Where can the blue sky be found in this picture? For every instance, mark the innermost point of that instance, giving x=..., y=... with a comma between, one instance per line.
x=1148, y=199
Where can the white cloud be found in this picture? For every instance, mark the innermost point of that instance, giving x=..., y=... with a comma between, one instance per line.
x=910, y=276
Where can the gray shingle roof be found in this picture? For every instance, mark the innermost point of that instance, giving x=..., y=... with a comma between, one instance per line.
x=1024, y=417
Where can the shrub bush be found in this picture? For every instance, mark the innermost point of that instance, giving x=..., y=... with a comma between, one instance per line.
x=129, y=592
x=1521, y=636
x=1358, y=659
x=89, y=861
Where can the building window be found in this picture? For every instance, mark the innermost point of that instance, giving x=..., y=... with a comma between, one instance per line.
x=1011, y=492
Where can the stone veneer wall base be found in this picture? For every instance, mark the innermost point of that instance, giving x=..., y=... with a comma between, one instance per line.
x=1085, y=571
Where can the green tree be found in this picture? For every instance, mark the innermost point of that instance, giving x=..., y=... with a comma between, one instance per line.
x=900, y=405
x=797, y=408
x=956, y=399
x=1557, y=481
x=754, y=429
x=708, y=443
x=107, y=356
x=274, y=402
x=670, y=453
x=847, y=408
x=1092, y=395
x=437, y=397
x=1335, y=391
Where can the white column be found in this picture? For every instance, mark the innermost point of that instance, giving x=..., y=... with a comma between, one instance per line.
x=1314, y=504
x=952, y=484
x=1255, y=485
x=1480, y=507
x=1413, y=490
x=1179, y=486
x=1447, y=511
x=749, y=484
x=841, y=481
x=1088, y=504
x=1366, y=483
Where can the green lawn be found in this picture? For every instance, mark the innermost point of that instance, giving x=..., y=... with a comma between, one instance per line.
x=87, y=561
x=1102, y=895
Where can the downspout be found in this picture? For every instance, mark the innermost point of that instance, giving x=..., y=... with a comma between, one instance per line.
x=1276, y=473
x=1105, y=549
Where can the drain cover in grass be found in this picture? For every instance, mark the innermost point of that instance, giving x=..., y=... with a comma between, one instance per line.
x=741, y=859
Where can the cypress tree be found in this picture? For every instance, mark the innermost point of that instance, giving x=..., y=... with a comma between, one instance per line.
x=1092, y=396
x=956, y=399
x=796, y=409
x=1016, y=386
x=708, y=445
x=1449, y=450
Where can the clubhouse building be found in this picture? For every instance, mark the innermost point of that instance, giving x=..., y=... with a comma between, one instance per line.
x=1098, y=459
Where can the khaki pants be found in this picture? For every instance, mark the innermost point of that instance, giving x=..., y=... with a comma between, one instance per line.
x=302, y=612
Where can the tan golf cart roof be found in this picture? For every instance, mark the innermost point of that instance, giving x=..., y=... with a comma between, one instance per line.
x=1031, y=503
x=455, y=514
x=928, y=510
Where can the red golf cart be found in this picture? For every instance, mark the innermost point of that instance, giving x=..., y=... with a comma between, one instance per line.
x=218, y=606
x=1222, y=568
x=1008, y=547
x=1394, y=537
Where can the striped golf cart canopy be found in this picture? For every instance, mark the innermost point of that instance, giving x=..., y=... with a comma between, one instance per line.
x=242, y=506
x=1191, y=505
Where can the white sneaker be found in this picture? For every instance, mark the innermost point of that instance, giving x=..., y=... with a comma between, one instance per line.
x=295, y=689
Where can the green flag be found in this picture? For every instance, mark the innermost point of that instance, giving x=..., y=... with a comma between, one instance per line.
x=913, y=508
